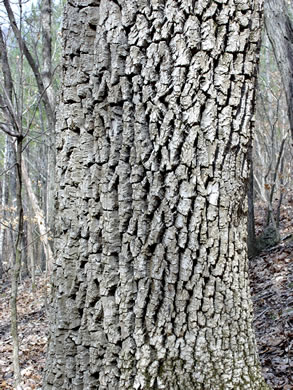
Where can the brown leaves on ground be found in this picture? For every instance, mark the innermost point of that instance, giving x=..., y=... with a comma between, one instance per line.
x=272, y=290
x=32, y=328
x=271, y=276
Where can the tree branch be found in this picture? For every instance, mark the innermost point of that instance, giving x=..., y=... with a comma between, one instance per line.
x=30, y=59
x=4, y=127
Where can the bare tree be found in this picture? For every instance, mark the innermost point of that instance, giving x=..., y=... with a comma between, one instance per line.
x=280, y=32
x=44, y=80
x=17, y=126
x=13, y=128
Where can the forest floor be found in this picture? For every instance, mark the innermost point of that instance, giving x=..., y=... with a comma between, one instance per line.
x=271, y=281
x=271, y=276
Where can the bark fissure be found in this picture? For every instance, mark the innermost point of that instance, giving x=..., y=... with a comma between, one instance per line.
x=153, y=136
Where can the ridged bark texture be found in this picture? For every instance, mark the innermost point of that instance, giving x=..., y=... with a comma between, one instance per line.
x=150, y=283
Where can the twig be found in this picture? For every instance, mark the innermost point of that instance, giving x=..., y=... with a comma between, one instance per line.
x=8, y=169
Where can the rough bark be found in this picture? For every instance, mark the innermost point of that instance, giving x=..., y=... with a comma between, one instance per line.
x=279, y=28
x=150, y=284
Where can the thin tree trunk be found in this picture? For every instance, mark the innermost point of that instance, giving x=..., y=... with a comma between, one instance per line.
x=12, y=195
x=275, y=173
x=36, y=71
x=279, y=28
x=9, y=179
x=278, y=211
x=17, y=127
x=30, y=253
x=4, y=204
x=24, y=254
x=39, y=215
x=48, y=79
x=251, y=243
x=17, y=267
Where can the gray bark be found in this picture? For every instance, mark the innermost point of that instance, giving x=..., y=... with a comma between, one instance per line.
x=39, y=216
x=4, y=204
x=150, y=286
x=251, y=237
x=9, y=177
x=15, y=272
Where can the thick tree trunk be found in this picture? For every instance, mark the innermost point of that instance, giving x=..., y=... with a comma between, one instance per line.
x=150, y=283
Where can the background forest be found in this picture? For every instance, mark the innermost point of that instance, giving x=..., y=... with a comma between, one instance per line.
x=30, y=55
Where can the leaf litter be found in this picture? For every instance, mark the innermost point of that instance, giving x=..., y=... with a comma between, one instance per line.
x=271, y=281
x=32, y=330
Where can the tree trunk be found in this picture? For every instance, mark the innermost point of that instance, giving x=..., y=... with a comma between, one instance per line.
x=30, y=252
x=13, y=214
x=44, y=230
x=251, y=238
x=4, y=205
x=150, y=285
x=48, y=84
x=24, y=253
x=15, y=273
x=280, y=32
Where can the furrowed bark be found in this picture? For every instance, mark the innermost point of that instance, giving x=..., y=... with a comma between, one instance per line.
x=150, y=285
